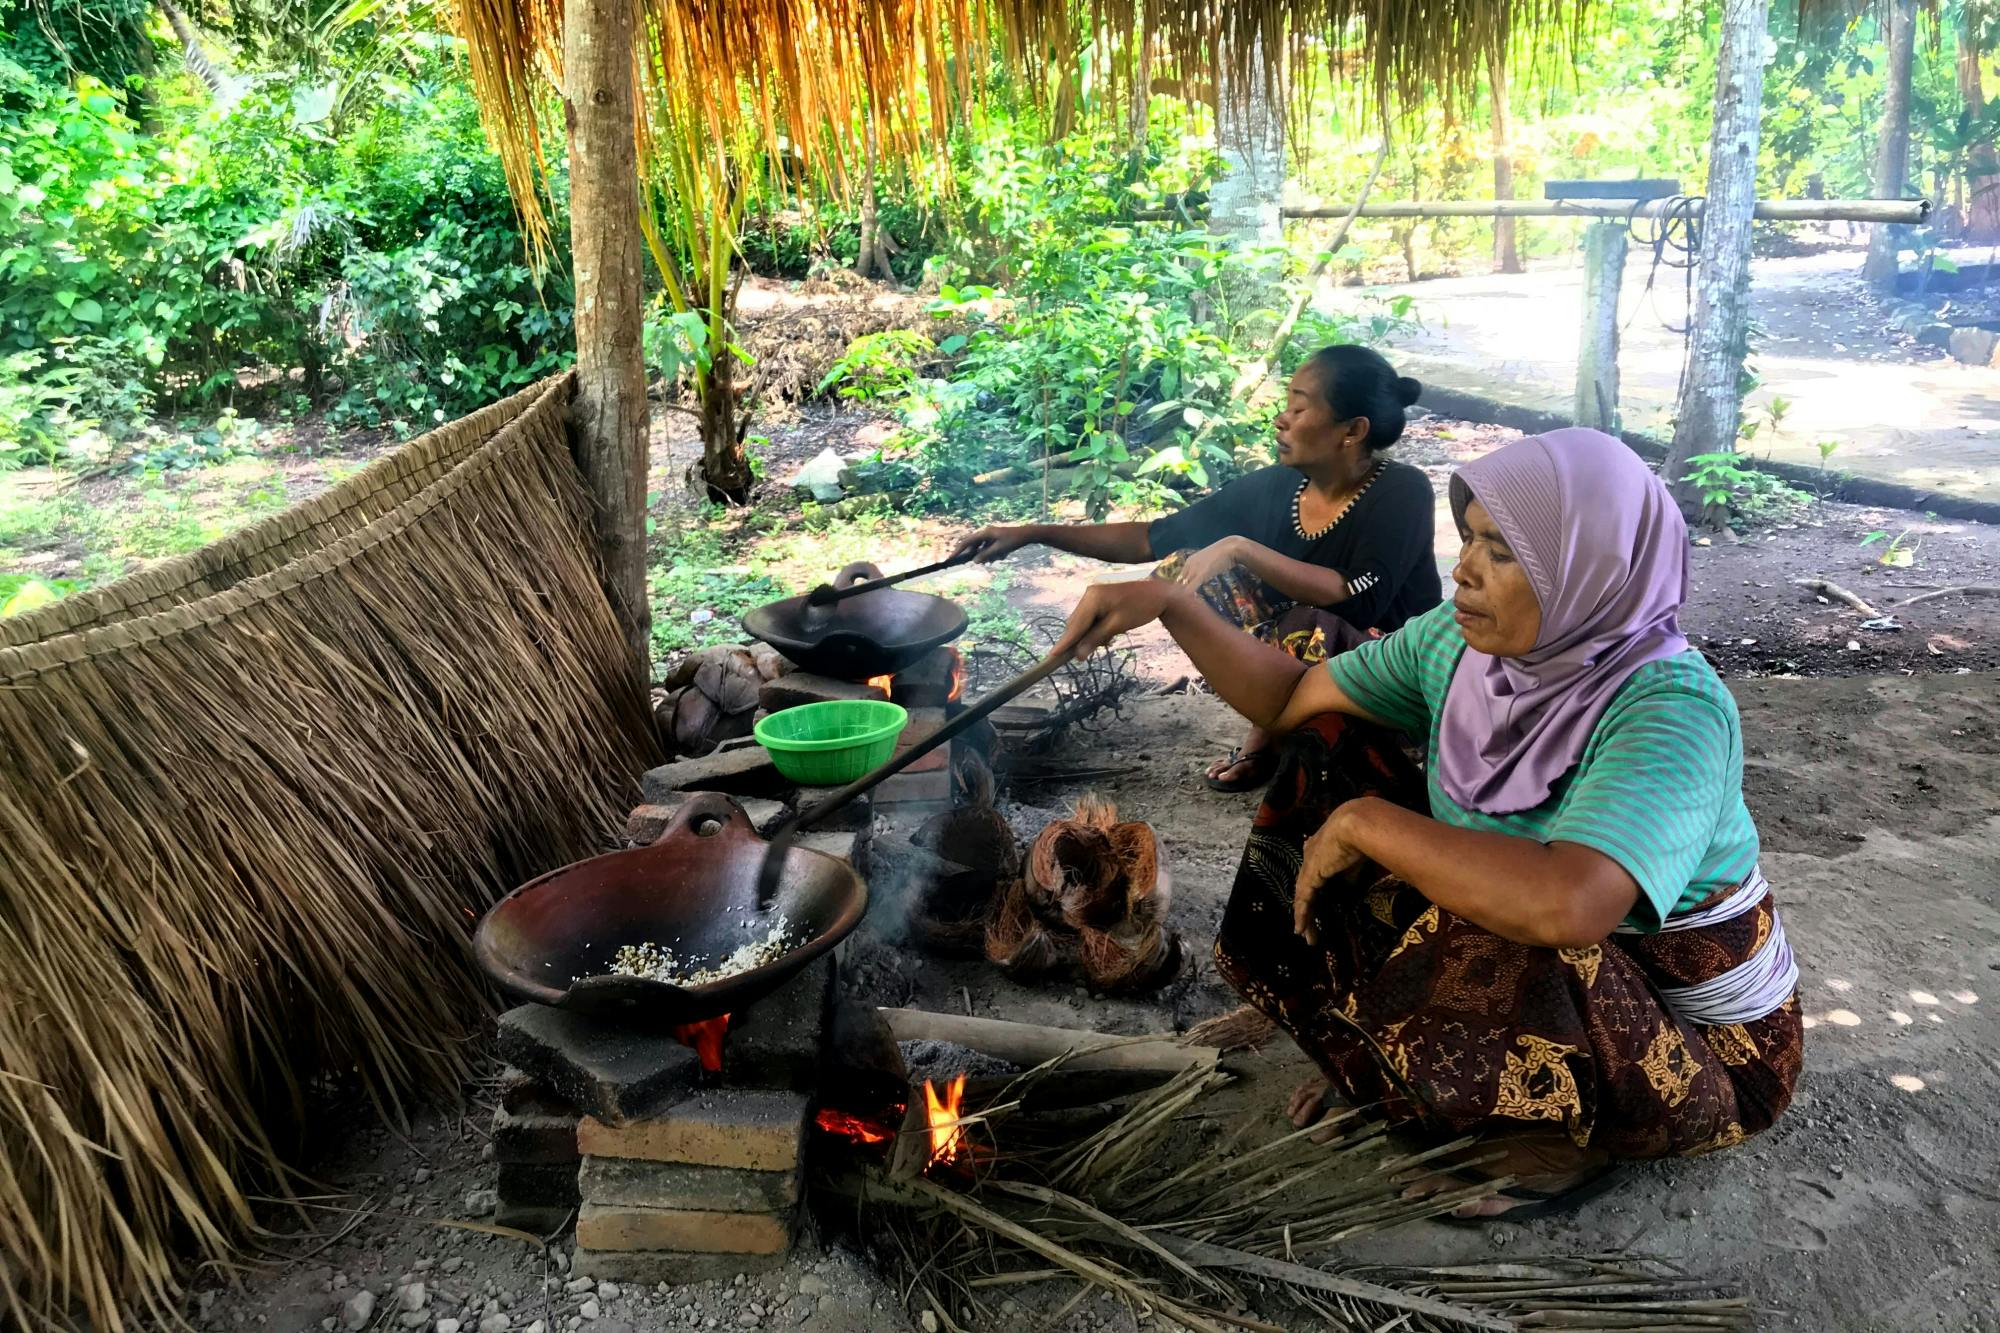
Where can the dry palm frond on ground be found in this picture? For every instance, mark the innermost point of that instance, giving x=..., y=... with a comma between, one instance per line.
x=1211, y=1236
x=244, y=836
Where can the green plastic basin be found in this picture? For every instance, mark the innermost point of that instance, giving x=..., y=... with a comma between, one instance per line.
x=826, y=744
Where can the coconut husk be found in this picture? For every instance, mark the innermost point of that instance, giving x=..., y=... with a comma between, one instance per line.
x=1017, y=940
x=1093, y=900
x=730, y=678
x=973, y=835
x=971, y=778
x=1116, y=966
x=949, y=914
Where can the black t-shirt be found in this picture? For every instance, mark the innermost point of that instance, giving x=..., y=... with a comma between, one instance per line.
x=1382, y=545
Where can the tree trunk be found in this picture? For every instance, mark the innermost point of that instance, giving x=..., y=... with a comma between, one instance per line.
x=1138, y=111
x=1506, y=248
x=1711, y=405
x=865, y=253
x=608, y=415
x=1982, y=163
x=1892, y=150
x=725, y=468
x=1250, y=135
x=192, y=54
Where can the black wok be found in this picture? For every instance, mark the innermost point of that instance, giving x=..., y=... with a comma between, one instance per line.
x=693, y=891
x=871, y=634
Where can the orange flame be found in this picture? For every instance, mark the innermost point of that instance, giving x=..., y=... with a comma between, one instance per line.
x=706, y=1039
x=850, y=1126
x=883, y=683
x=947, y=1134
x=957, y=675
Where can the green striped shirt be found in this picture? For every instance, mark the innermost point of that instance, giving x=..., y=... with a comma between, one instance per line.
x=1659, y=789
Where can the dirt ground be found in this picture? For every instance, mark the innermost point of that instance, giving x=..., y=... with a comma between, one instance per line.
x=1870, y=1206
x=1873, y=770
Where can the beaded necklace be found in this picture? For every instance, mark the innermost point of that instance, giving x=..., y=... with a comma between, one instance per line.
x=1298, y=520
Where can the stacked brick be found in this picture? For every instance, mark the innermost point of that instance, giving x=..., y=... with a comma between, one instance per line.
x=672, y=1174
x=707, y=1188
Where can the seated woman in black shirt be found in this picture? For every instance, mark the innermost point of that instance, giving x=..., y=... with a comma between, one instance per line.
x=1330, y=546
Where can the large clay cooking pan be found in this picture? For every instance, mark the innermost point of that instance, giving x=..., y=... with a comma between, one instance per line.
x=693, y=891
x=870, y=634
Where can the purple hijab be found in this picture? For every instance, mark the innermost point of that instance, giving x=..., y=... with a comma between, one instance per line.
x=1606, y=549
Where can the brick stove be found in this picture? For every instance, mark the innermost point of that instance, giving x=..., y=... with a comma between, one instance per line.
x=672, y=1172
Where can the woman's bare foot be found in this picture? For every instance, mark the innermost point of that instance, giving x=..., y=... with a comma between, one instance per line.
x=1308, y=1103
x=1248, y=765
x=1547, y=1167
x=1313, y=1101
x=1243, y=769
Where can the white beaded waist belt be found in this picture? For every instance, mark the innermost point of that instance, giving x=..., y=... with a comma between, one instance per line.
x=1751, y=989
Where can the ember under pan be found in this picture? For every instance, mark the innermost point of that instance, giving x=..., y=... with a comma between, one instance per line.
x=694, y=891
x=869, y=634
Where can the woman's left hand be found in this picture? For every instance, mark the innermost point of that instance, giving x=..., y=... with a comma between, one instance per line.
x=1329, y=852
x=1215, y=558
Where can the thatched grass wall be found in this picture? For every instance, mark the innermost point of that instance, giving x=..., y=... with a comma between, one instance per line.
x=250, y=806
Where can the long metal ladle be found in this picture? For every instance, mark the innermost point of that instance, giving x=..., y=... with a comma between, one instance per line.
x=826, y=594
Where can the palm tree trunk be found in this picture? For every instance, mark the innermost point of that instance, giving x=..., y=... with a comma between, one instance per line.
x=1711, y=405
x=1506, y=247
x=1892, y=152
x=1250, y=135
x=197, y=60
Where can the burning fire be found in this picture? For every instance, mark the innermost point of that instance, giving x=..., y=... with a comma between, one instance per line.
x=850, y=1126
x=705, y=1038
x=957, y=675
x=947, y=1134
x=884, y=684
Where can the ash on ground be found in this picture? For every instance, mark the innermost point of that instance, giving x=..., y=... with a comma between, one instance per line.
x=937, y=1061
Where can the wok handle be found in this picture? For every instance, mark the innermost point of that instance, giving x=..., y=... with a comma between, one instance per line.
x=707, y=805
x=781, y=840
x=855, y=573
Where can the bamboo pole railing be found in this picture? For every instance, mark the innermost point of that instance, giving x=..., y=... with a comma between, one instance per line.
x=1910, y=212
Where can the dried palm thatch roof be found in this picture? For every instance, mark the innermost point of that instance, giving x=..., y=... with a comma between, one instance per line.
x=806, y=75
x=243, y=833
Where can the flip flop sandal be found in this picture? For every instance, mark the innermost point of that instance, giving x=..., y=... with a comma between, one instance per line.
x=1531, y=1204
x=1261, y=765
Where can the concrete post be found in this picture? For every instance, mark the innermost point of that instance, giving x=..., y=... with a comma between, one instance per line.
x=1604, y=246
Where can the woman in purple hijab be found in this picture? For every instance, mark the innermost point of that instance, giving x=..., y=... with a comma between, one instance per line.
x=1556, y=929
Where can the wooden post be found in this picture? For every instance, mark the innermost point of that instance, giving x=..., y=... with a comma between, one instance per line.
x=608, y=414
x=1604, y=245
x=1711, y=405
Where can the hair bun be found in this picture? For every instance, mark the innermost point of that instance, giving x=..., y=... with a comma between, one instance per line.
x=1409, y=390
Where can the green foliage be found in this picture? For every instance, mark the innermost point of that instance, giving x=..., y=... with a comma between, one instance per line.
x=446, y=325
x=1752, y=497
x=303, y=222
x=191, y=445
x=1113, y=351
x=21, y=593
x=31, y=407
x=878, y=366
x=697, y=596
